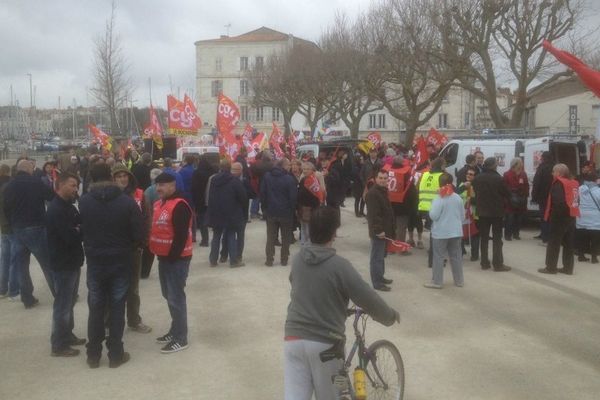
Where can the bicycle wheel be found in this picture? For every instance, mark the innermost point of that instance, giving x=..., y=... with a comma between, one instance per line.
x=385, y=372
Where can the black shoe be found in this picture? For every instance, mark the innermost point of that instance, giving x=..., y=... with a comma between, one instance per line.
x=564, y=271
x=582, y=258
x=117, y=363
x=502, y=268
x=237, y=264
x=34, y=303
x=93, y=362
x=269, y=263
x=66, y=352
x=485, y=266
x=164, y=339
x=546, y=271
x=284, y=263
x=173, y=347
x=203, y=244
x=75, y=341
x=383, y=288
x=387, y=281
x=223, y=259
x=474, y=258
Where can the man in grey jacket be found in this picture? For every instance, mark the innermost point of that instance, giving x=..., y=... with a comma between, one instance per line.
x=322, y=285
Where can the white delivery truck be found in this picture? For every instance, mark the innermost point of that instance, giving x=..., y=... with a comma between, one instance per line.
x=567, y=149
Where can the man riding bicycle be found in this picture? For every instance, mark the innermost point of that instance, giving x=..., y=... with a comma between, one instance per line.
x=323, y=283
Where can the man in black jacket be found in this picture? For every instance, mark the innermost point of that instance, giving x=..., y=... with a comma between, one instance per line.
x=491, y=194
x=112, y=227
x=66, y=258
x=461, y=175
x=380, y=217
x=25, y=209
x=199, y=182
x=141, y=171
x=542, y=181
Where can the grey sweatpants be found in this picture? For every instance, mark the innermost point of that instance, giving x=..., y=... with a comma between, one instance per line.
x=452, y=248
x=305, y=373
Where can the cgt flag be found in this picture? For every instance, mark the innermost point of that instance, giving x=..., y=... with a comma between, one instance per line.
x=275, y=140
x=183, y=117
x=102, y=138
x=153, y=129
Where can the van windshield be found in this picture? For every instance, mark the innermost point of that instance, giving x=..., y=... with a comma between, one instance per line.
x=450, y=153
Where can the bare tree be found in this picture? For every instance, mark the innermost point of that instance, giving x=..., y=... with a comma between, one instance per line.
x=501, y=41
x=276, y=85
x=111, y=84
x=353, y=76
x=407, y=46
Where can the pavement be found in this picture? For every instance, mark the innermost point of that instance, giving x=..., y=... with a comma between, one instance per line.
x=504, y=335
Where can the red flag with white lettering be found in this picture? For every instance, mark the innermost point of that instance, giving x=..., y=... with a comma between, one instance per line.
x=421, y=153
x=375, y=138
x=153, y=129
x=292, y=144
x=183, y=117
x=436, y=139
x=101, y=136
x=275, y=140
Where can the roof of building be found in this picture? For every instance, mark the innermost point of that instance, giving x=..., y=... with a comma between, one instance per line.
x=557, y=89
x=262, y=34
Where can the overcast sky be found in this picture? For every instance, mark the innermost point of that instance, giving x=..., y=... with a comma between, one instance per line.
x=52, y=40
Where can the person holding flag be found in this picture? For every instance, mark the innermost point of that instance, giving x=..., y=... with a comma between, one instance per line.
x=311, y=195
x=470, y=228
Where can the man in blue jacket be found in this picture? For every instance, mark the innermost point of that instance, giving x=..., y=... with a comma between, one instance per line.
x=66, y=258
x=112, y=227
x=278, y=193
x=25, y=209
x=226, y=198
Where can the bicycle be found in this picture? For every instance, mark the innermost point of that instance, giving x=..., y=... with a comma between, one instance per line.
x=380, y=370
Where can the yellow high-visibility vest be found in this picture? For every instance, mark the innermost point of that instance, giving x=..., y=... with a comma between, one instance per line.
x=428, y=189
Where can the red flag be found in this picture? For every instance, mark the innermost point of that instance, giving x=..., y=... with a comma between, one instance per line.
x=421, y=154
x=183, y=117
x=101, y=137
x=436, y=139
x=153, y=129
x=292, y=144
x=375, y=138
x=589, y=76
x=314, y=187
x=396, y=246
x=275, y=140
x=228, y=115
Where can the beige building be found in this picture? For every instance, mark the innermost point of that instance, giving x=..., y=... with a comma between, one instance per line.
x=221, y=65
x=565, y=105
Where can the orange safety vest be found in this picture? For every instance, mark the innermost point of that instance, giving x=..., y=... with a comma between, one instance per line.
x=571, y=188
x=138, y=196
x=162, y=233
x=396, y=187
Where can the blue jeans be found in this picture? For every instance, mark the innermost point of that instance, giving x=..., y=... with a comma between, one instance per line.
x=25, y=242
x=240, y=235
x=377, y=262
x=107, y=284
x=66, y=284
x=172, y=277
x=216, y=242
x=9, y=274
x=254, y=206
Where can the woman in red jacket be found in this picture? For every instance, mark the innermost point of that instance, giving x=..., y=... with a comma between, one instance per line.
x=518, y=186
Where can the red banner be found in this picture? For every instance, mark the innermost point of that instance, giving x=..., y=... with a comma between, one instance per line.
x=153, y=129
x=314, y=187
x=183, y=117
x=292, y=144
x=375, y=138
x=256, y=146
x=436, y=139
x=421, y=153
x=102, y=138
x=275, y=140
x=228, y=115
x=589, y=76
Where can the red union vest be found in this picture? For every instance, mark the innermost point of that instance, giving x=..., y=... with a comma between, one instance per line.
x=138, y=196
x=396, y=187
x=571, y=188
x=161, y=234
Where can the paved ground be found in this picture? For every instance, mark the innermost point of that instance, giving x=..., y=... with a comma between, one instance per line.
x=516, y=335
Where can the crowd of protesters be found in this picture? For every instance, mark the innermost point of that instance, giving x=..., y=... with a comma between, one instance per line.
x=130, y=211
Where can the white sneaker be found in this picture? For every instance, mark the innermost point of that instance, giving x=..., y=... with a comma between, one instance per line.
x=14, y=298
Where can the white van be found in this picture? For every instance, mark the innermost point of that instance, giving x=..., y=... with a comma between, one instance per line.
x=567, y=149
x=185, y=150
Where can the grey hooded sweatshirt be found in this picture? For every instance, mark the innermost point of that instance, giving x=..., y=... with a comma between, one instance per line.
x=323, y=283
